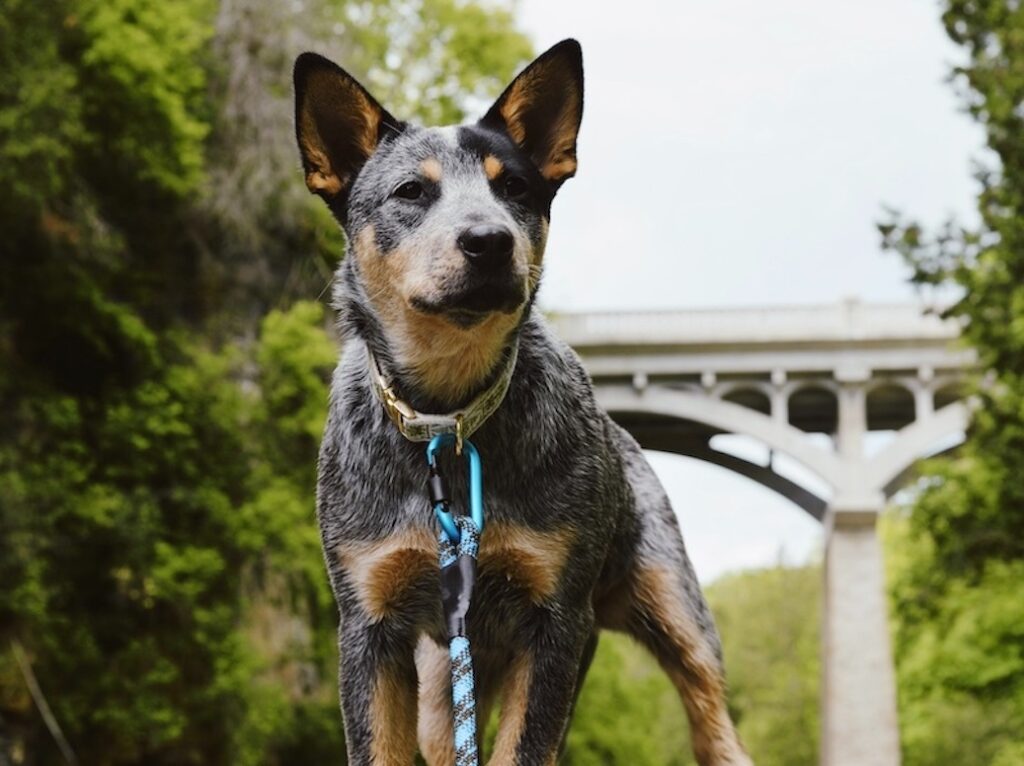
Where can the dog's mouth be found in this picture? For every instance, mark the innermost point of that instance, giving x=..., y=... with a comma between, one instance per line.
x=470, y=306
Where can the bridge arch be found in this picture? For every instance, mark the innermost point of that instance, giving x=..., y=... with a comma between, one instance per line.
x=707, y=417
x=841, y=370
x=671, y=434
x=944, y=429
x=723, y=417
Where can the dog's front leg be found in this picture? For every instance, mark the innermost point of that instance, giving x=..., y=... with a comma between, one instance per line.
x=378, y=692
x=539, y=690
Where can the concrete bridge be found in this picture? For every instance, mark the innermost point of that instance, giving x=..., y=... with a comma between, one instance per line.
x=810, y=383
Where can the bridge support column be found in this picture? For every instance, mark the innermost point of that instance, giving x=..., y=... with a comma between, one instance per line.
x=859, y=721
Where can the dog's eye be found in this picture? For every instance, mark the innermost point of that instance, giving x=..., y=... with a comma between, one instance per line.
x=409, y=190
x=515, y=186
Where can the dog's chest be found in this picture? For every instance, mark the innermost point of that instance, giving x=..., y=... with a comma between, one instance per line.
x=400, y=573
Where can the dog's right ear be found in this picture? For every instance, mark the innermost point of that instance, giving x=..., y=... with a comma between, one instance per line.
x=541, y=110
x=338, y=125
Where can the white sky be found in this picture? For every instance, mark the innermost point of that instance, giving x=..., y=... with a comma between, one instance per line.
x=739, y=153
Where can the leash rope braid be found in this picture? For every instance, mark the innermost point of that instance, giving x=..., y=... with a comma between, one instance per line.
x=458, y=546
x=463, y=688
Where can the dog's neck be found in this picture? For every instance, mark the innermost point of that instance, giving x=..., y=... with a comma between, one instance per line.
x=429, y=390
x=432, y=364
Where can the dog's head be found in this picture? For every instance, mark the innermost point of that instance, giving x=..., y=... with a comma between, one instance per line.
x=446, y=226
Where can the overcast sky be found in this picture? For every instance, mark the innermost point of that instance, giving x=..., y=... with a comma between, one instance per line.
x=738, y=153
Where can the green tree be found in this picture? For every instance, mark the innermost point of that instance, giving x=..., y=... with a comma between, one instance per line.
x=958, y=645
x=963, y=533
x=628, y=712
x=159, y=408
x=770, y=626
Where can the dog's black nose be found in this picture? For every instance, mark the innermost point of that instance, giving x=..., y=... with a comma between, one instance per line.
x=487, y=246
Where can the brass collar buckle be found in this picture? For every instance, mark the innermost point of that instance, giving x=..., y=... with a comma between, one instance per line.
x=397, y=409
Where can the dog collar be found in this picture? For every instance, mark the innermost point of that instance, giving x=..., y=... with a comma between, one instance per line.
x=421, y=426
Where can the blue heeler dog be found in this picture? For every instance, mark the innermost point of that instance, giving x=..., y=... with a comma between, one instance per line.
x=446, y=231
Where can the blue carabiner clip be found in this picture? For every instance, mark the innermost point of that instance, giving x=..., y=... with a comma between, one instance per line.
x=476, y=486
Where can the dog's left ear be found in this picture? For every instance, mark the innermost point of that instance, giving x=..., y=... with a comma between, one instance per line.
x=541, y=110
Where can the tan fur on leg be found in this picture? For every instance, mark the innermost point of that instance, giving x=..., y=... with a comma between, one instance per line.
x=437, y=743
x=515, y=698
x=393, y=719
x=695, y=672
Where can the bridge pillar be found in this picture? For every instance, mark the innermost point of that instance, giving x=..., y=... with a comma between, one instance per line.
x=859, y=721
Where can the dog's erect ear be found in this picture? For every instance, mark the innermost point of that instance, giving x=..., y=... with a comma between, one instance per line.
x=542, y=108
x=337, y=123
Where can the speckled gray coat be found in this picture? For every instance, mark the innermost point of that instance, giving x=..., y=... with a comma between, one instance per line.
x=580, y=535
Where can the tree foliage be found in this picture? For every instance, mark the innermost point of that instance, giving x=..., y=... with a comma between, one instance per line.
x=770, y=626
x=959, y=653
x=162, y=390
x=628, y=712
x=956, y=590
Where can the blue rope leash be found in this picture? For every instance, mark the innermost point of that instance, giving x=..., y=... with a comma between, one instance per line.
x=463, y=692
x=458, y=546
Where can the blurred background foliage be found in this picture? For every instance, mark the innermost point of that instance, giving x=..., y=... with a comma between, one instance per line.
x=956, y=548
x=164, y=357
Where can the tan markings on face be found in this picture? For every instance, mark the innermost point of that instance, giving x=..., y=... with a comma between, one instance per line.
x=380, y=275
x=450, y=362
x=382, y=572
x=492, y=167
x=697, y=673
x=434, y=724
x=392, y=719
x=431, y=169
x=515, y=699
x=533, y=560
